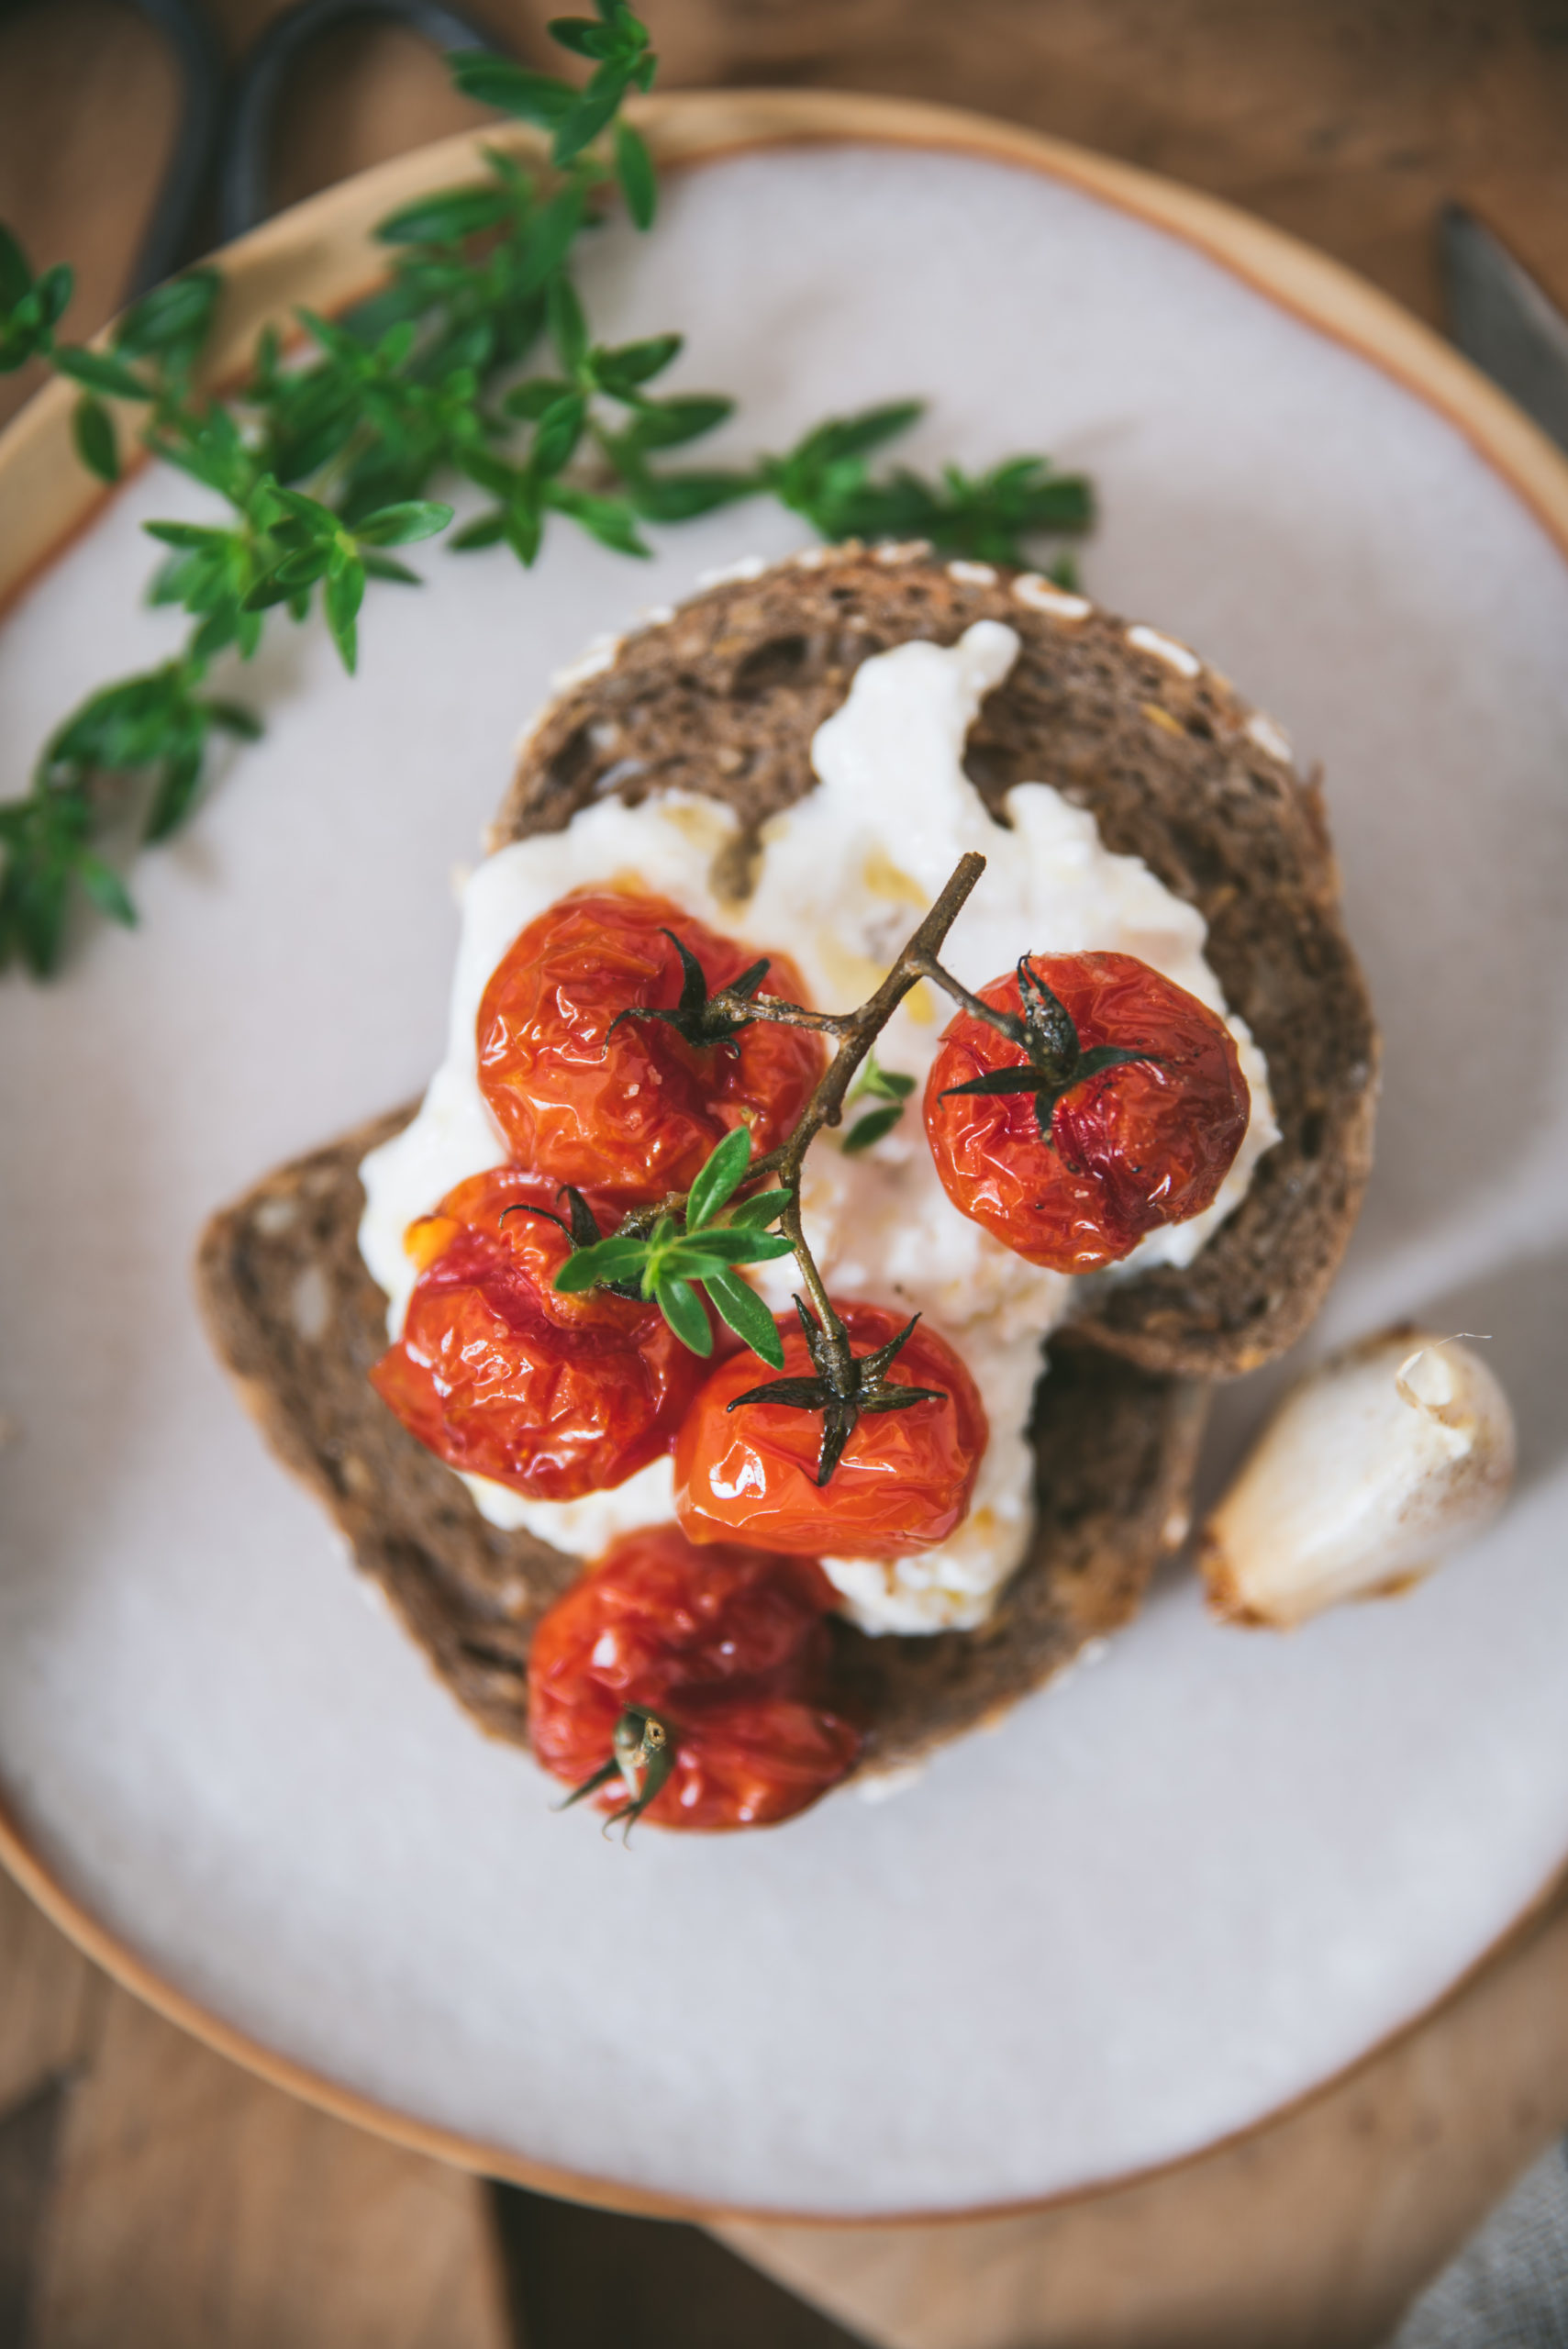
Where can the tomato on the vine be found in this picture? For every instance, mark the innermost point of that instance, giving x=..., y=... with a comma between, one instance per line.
x=750, y=1470
x=589, y=1087
x=1074, y=1175
x=500, y=1374
x=728, y=1647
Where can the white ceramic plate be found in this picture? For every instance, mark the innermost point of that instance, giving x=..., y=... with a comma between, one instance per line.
x=1164, y=1897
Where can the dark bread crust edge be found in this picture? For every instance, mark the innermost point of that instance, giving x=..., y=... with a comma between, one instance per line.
x=297, y=1321
x=723, y=697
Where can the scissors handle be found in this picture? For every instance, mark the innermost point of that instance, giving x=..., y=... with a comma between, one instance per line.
x=246, y=152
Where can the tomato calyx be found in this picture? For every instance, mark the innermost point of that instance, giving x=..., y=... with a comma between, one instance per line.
x=846, y=1386
x=1056, y=1064
x=642, y=1754
x=698, y=1019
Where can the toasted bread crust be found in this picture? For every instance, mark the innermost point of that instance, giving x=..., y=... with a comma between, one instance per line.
x=723, y=697
x=298, y=1321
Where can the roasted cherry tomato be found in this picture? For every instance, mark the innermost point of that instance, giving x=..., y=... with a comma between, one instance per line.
x=1131, y=1147
x=629, y=1104
x=501, y=1375
x=902, y=1483
x=727, y=1647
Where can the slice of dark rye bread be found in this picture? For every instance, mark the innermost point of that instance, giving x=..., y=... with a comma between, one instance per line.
x=723, y=696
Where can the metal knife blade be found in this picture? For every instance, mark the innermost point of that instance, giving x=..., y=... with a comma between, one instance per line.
x=1503, y=321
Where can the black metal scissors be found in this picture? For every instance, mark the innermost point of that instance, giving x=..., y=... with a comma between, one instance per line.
x=223, y=147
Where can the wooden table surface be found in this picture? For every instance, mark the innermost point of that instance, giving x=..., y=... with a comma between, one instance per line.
x=150, y=2194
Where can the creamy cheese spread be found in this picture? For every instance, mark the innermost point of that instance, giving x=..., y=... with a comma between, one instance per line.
x=844, y=877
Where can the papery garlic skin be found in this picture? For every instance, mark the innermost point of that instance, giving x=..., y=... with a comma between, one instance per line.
x=1382, y=1459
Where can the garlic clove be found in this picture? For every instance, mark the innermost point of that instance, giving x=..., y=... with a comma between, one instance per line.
x=1378, y=1462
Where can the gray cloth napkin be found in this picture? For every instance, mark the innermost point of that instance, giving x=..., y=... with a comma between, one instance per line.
x=1508, y=2287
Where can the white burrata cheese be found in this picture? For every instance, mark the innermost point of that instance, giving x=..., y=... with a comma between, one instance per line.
x=844, y=877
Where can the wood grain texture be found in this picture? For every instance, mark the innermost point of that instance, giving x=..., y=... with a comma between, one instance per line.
x=153, y=2196
x=51, y=2001
x=1317, y=2230
x=1345, y=122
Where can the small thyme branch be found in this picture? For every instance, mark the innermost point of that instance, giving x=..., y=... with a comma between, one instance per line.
x=665, y=1244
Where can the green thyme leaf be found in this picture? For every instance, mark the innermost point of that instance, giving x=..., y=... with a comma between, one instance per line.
x=763, y=1207
x=92, y=429
x=872, y=1127
x=342, y=597
x=233, y=717
x=882, y=1083
x=610, y=521
x=99, y=373
x=16, y=276
x=512, y=89
x=634, y=169
x=399, y=526
x=529, y=401
x=27, y=321
x=487, y=531
x=445, y=219
x=581, y=34
x=613, y=1260
x=381, y=566
x=682, y=1308
x=549, y=239
x=568, y=326
x=178, y=784
x=523, y=528
x=682, y=496
x=668, y=424
x=52, y=294
x=623, y=371
x=189, y=534
x=726, y=1245
x=172, y=322
x=738, y=1304
x=105, y=888
x=720, y=1176
x=560, y=429
x=888, y=1086
x=583, y=122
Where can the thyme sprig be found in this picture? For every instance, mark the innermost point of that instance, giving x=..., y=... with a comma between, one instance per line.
x=686, y=1247
x=325, y=460
x=662, y=1246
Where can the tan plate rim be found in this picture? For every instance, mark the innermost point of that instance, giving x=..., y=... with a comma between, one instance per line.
x=319, y=253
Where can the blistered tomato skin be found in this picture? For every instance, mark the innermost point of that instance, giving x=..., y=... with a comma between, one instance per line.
x=633, y=1110
x=500, y=1375
x=727, y=1646
x=902, y=1485
x=1140, y=1145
